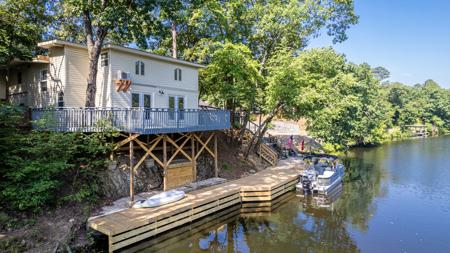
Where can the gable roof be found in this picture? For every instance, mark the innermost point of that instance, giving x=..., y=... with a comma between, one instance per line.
x=61, y=43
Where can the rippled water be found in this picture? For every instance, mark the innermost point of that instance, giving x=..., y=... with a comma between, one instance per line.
x=396, y=199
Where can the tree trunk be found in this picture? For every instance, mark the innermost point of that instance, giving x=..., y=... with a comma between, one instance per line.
x=91, y=89
x=94, y=45
x=262, y=129
x=174, y=40
x=244, y=125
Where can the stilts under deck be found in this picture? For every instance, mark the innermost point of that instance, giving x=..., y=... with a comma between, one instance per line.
x=133, y=225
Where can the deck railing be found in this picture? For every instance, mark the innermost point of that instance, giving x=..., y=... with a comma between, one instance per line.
x=132, y=120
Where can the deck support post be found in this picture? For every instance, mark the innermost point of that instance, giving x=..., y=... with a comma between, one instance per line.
x=165, y=161
x=194, y=161
x=131, y=173
x=216, y=166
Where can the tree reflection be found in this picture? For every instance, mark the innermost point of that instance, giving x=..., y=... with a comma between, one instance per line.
x=299, y=224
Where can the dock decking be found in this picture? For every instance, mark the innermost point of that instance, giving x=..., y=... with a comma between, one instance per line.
x=133, y=225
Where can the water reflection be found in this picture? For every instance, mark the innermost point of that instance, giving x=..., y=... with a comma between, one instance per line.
x=384, y=205
x=290, y=223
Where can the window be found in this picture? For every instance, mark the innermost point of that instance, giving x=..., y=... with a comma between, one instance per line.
x=177, y=73
x=60, y=99
x=139, y=67
x=19, y=77
x=134, y=99
x=104, y=59
x=43, y=78
x=141, y=100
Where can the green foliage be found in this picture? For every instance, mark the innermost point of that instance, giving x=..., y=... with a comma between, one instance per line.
x=264, y=26
x=22, y=24
x=231, y=78
x=121, y=21
x=426, y=103
x=381, y=73
x=340, y=100
x=44, y=167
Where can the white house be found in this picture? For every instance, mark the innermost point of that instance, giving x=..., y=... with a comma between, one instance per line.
x=137, y=91
x=60, y=79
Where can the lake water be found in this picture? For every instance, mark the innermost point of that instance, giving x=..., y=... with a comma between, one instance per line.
x=396, y=199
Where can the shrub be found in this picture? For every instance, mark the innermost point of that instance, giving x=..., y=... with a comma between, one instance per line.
x=40, y=168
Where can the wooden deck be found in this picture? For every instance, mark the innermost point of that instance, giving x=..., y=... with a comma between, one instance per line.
x=133, y=225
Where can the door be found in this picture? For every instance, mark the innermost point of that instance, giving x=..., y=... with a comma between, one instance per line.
x=140, y=100
x=176, y=106
x=147, y=104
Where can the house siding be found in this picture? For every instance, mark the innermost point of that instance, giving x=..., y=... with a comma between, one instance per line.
x=159, y=76
x=68, y=68
x=28, y=92
x=103, y=94
x=77, y=65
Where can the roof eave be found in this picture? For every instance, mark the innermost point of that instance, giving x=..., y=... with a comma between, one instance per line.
x=60, y=43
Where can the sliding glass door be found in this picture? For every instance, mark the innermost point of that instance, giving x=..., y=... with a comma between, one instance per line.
x=176, y=106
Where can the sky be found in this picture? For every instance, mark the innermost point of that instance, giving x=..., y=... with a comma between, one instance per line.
x=410, y=38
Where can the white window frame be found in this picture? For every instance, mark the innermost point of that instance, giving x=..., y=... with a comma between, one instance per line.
x=139, y=68
x=104, y=60
x=42, y=80
x=141, y=99
x=178, y=74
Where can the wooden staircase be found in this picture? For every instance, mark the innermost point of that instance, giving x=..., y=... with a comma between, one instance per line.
x=268, y=154
x=265, y=151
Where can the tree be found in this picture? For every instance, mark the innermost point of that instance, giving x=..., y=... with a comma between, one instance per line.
x=265, y=27
x=22, y=25
x=231, y=78
x=426, y=103
x=340, y=100
x=115, y=20
x=381, y=73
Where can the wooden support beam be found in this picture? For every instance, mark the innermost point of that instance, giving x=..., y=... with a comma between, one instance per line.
x=178, y=149
x=194, y=162
x=204, y=145
x=131, y=173
x=165, y=161
x=128, y=139
x=148, y=152
x=216, y=166
x=182, y=136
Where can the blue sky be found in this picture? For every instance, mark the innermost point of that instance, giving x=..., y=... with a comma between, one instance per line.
x=411, y=38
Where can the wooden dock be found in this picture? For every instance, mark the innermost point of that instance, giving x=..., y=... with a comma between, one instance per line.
x=129, y=226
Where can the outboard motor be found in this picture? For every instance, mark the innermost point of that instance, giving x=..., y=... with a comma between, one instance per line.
x=306, y=184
